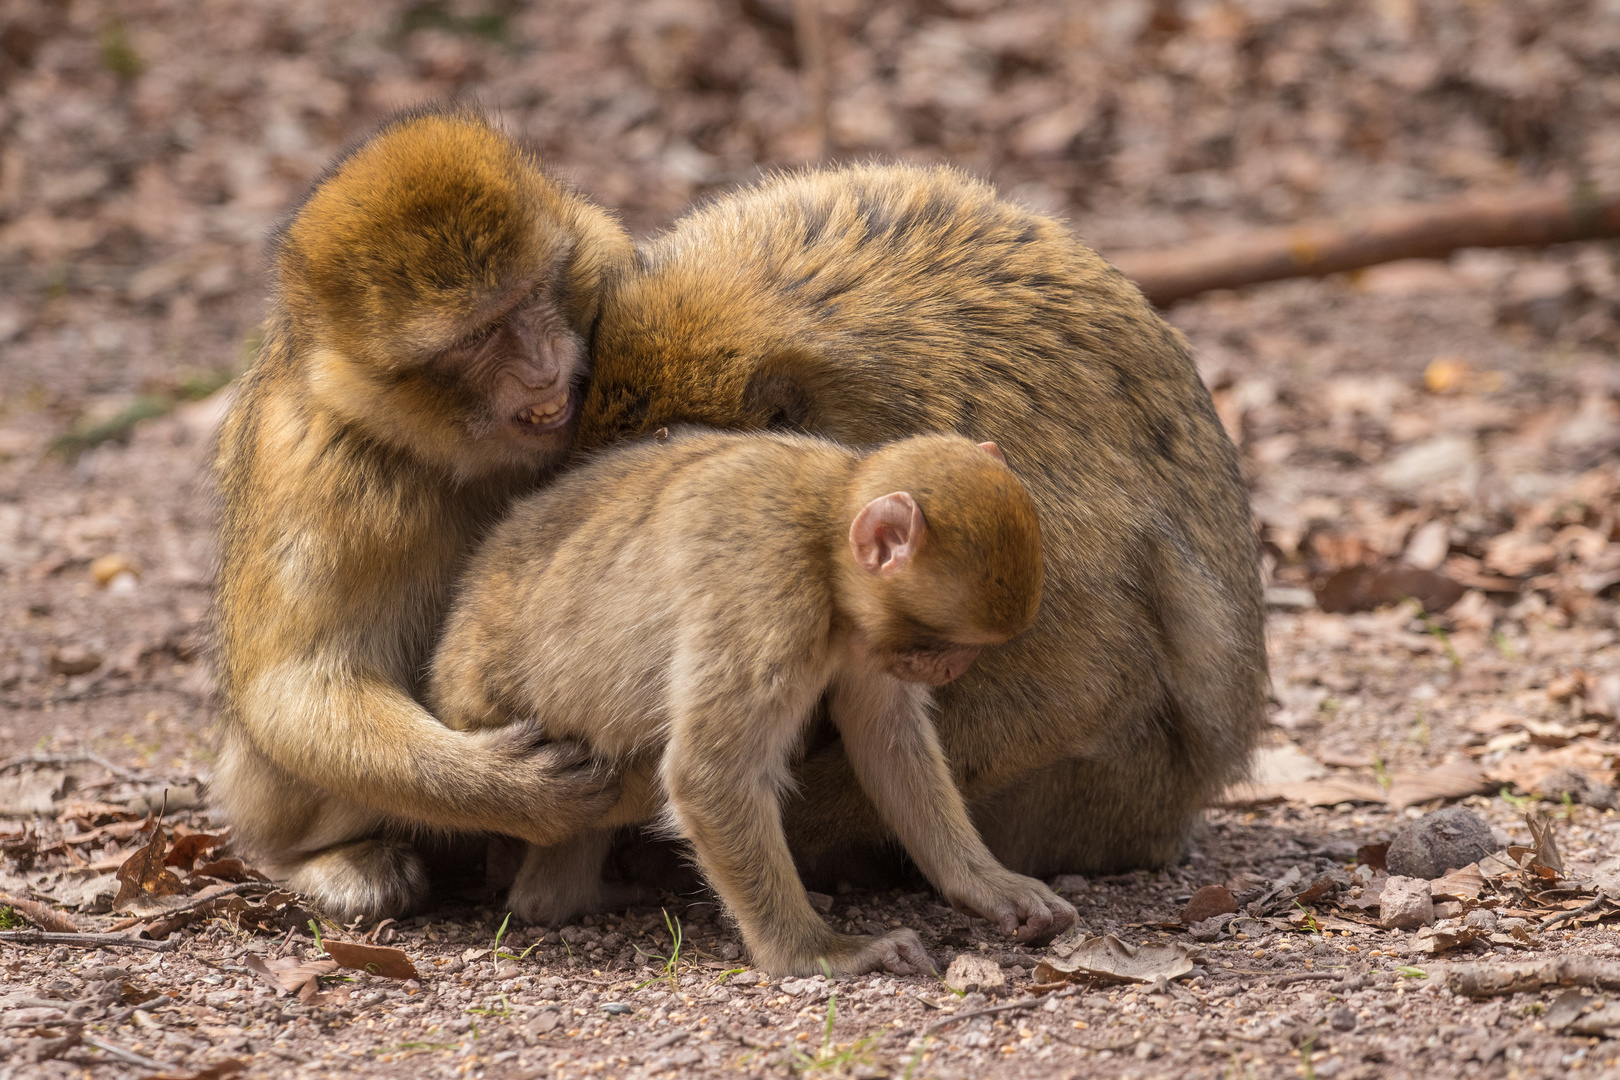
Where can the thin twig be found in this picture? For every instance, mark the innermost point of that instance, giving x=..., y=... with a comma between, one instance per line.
x=1595, y=903
x=121, y=1054
x=1011, y=1006
x=82, y=941
x=72, y=759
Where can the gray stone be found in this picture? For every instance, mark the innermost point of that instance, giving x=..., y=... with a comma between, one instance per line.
x=1444, y=840
x=1405, y=904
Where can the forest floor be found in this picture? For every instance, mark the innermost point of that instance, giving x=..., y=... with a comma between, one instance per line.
x=1433, y=451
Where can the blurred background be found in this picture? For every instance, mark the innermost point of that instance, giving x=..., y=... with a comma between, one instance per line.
x=146, y=145
x=1457, y=418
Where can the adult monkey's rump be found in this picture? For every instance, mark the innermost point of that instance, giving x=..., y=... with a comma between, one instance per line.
x=873, y=302
x=422, y=361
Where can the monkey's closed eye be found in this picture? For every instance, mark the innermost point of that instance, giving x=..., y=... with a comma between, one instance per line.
x=476, y=338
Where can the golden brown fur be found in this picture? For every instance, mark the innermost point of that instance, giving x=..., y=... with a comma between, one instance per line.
x=689, y=601
x=434, y=294
x=871, y=302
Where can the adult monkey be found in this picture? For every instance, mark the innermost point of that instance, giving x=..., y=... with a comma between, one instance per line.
x=421, y=367
x=872, y=302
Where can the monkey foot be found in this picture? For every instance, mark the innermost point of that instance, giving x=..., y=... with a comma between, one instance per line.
x=899, y=952
x=366, y=879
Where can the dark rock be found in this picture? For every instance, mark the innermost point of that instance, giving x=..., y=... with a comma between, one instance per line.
x=1341, y=1018
x=1444, y=840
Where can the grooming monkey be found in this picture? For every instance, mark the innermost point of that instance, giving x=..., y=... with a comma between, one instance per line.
x=422, y=361
x=690, y=600
x=872, y=302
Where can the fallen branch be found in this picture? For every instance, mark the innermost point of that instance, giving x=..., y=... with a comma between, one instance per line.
x=1520, y=219
x=82, y=941
x=1491, y=980
x=71, y=759
x=40, y=915
x=128, y=1056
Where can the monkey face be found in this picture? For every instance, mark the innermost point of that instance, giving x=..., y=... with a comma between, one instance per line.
x=524, y=366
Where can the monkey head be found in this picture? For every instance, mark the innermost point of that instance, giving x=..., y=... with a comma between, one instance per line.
x=445, y=288
x=944, y=556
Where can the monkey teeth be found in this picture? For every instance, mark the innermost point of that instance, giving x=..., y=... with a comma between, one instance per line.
x=546, y=412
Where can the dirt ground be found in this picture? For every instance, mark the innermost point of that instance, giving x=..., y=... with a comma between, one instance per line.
x=1433, y=450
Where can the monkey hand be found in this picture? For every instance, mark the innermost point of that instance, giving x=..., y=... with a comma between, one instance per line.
x=1024, y=909
x=899, y=952
x=559, y=788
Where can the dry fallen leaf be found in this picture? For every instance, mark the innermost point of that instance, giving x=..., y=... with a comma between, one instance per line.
x=143, y=877
x=188, y=849
x=1545, y=843
x=1208, y=902
x=1108, y=959
x=289, y=975
x=40, y=915
x=1434, y=940
x=1366, y=588
x=1451, y=780
x=1527, y=769
x=381, y=960
x=1462, y=884
x=228, y=870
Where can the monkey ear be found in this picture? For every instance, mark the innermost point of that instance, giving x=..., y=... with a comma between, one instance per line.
x=994, y=451
x=886, y=534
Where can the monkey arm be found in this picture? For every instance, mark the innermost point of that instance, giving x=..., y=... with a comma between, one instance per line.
x=361, y=736
x=895, y=752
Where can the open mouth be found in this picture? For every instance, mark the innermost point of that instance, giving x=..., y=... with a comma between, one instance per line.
x=548, y=416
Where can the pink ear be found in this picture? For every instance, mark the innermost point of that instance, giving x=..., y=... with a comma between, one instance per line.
x=886, y=534
x=994, y=451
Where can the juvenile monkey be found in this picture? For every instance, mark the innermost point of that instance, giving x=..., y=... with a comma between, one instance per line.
x=690, y=601
x=422, y=363
x=872, y=302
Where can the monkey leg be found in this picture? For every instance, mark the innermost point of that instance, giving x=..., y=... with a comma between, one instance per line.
x=565, y=880
x=344, y=857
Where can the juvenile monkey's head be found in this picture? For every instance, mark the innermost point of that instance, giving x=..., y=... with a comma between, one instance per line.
x=444, y=288
x=944, y=555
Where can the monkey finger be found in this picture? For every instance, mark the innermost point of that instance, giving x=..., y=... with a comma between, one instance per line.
x=1051, y=917
x=903, y=954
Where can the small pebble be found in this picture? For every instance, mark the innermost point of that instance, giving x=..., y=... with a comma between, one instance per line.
x=1405, y=904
